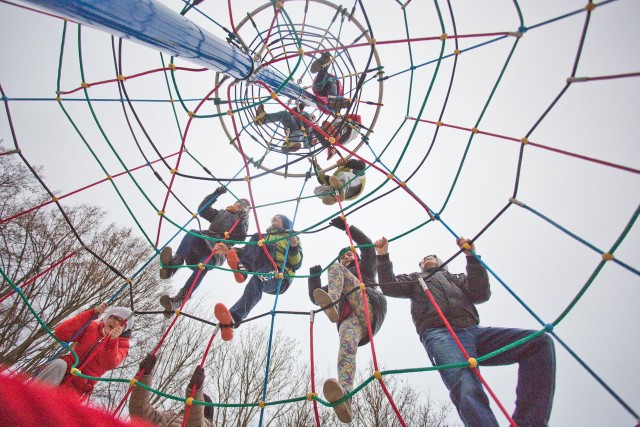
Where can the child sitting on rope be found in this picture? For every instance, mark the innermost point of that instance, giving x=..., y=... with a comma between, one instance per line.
x=194, y=249
x=294, y=127
x=326, y=87
x=140, y=405
x=349, y=315
x=348, y=181
x=278, y=243
x=101, y=346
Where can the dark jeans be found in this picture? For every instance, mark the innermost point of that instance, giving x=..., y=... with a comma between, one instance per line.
x=536, y=372
x=194, y=250
x=325, y=84
x=255, y=260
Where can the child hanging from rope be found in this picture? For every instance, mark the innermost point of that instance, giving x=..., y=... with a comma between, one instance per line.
x=295, y=128
x=279, y=243
x=140, y=405
x=326, y=87
x=348, y=180
x=194, y=249
x=101, y=346
x=349, y=315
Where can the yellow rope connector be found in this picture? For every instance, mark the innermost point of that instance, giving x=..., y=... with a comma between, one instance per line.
x=473, y=363
x=466, y=246
x=160, y=212
x=279, y=5
x=177, y=312
x=377, y=375
x=261, y=242
x=194, y=215
x=75, y=372
x=189, y=401
x=403, y=184
x=389, y=175
x=362, y=287
x=438, y=123
x=301, y=51
x=133, y=382
x=274, y=95
x=342, y=217
x=372, y=41
x=474, y=130
x=171, y=100
x=226, y=234
x=590, y=6
x=229, y=112
x=332, y=140
x=128, y=280
x=311, y=396
x=121, y=77
x=84, y=85
x=444, y=36
x=109, y=177
x=201, y=266
x=281, y=275
x=58, y=99
x=190, y=113
x=261, y=404
x=172, y=66
x=174, y=171
x=524, y=140
x=457, y=52
x=607, y=256
x=54, y=199
x=247, y=178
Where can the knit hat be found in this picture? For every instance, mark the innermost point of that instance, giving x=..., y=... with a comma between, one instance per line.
x=286, y=222
x=123, y=312
x=345, y=250
x=245, y=202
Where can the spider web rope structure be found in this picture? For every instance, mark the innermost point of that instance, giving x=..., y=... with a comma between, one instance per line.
x=451, y=146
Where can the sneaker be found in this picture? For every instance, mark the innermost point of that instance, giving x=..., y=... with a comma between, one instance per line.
x=336, y=184
x=235, y=264
x=331, y=152
x=324, y=60
x=338, y=103
x=166, y=258
x=291, y=148
x=225, y=321
x=165, y=302
x=333, y=392
x=329, y=200
x=324, y=301
x=260, y=115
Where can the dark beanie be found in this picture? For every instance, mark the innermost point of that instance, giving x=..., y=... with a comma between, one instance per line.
x=286, y=222
x=208, y=410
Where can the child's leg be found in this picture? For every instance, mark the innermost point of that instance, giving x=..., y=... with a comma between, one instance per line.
x=340, y=281
x=350, y=333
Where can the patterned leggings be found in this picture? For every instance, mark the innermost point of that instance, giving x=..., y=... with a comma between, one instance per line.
x=353, y=328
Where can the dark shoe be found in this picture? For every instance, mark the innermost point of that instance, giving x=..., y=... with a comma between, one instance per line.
x=291, y=148
x=329, y=200
x=166, y=259
x=331, y=152
x=260, y=115
x=324, y=301
x=170, y=305
x=338, y=103
x=225, y=321
x=333, y=392
x=324, y=60
x=235, y=264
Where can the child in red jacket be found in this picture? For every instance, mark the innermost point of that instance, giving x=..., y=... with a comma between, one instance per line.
x=101, y=347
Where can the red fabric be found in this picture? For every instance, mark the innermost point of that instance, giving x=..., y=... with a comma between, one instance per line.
x=109, y=354
x=36, y=404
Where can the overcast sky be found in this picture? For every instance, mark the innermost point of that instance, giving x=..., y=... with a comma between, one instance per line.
x=544, y=266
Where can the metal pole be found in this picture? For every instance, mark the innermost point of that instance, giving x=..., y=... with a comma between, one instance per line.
x=154, y=25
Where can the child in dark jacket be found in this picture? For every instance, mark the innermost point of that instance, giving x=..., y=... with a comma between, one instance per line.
x=348, y=180
x=195, y=249
x=101, y=347
x=279, y=243
x=350, y=312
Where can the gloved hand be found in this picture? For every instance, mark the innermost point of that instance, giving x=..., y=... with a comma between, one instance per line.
x=315, y=270
x=220, y=190
x=197, y=379
x=148, y=363
x=338, y=223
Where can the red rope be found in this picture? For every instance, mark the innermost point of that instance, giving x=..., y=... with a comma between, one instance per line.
x=312, y=369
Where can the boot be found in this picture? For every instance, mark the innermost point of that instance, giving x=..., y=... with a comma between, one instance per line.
x=260, y=115
x=171, y=304
x=324, y=60
x=168, y=260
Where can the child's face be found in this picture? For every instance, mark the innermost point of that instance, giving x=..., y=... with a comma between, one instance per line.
x=276, y=222
x=112, y=322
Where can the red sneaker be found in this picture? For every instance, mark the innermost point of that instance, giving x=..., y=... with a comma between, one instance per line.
x=225, y=321
x=234, y=263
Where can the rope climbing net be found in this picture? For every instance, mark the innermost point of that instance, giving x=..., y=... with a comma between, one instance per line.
x=457, y=132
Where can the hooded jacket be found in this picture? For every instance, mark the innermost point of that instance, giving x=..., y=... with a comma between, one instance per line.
x=455, y=294
x=108, y=357
x=278, y=248
x=377, y=301
x=221, y=220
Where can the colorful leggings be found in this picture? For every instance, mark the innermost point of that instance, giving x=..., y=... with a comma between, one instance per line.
x=353, y=328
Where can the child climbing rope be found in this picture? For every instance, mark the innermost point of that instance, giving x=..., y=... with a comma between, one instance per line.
x=194, y=249
x=101, y=346
x=326, y=87
x=278, y=242
x=348, y=181
x=295, y=129
x=349, y=315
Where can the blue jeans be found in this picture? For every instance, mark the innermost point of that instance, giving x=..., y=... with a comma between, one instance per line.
x=325, y=84
x=194, y=250
x=284, y=118
x=255, y=260
x=536, y=372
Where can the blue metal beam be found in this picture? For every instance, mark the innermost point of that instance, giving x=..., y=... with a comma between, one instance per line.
x=154, y=25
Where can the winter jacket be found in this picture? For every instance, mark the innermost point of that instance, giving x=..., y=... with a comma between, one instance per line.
x=222, y=220
x=110, y=355
x=277, y=249
x=357, y=167
x=377, y=301
x=140, y=406
x=455, y=294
